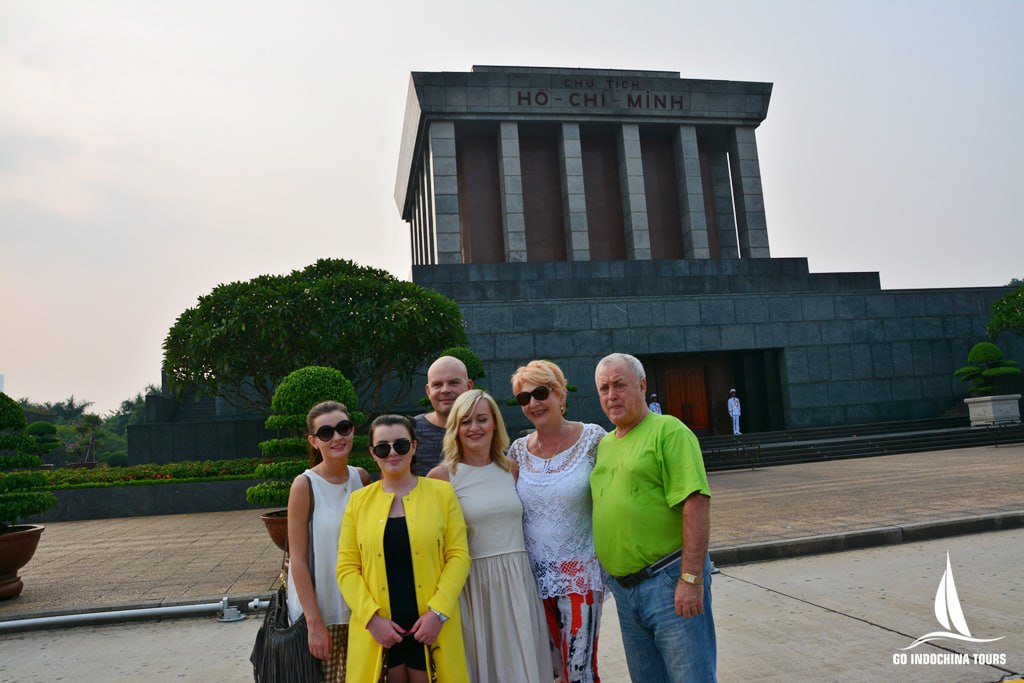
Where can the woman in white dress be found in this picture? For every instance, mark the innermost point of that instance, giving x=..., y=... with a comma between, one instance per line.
x=332, y=481
x=502, y=622
x=555, y=462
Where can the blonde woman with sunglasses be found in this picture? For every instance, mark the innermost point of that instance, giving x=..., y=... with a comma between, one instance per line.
x=332, y=481
x=402, y=564
x=502, y=622
x=555, y=462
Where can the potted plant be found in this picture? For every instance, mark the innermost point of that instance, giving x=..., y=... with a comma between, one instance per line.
x=297, y=393
x=19, y=480
x=985, y=363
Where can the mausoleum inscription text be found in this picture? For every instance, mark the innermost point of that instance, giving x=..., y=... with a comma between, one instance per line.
x=600, y=93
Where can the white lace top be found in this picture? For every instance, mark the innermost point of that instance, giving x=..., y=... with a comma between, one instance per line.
x=557, y=515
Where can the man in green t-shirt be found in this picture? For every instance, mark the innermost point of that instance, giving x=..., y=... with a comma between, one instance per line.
x=652, y=506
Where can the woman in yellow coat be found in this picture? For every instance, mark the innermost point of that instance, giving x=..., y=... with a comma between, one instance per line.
x=402, y=562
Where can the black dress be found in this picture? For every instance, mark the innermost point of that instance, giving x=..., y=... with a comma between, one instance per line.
x=402, y=588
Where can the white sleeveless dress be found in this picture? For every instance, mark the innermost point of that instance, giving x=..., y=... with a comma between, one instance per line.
x=502, y=619
x=328, y=509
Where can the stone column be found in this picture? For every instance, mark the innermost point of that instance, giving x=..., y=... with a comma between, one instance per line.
x=751, y=226
x=416, y=226
x=445, y=182
x=691, y=194
x=574, y=200
x=634, y=198
x=725, y=221
x=513, y=220
x=429, y=242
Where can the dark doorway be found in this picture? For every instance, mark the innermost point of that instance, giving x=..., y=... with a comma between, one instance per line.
x=695, y=387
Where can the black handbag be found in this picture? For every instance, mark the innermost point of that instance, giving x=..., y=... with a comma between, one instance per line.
x=281, y=651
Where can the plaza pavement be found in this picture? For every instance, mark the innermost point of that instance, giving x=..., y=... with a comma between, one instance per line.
x=755, y=514
x=841, y=615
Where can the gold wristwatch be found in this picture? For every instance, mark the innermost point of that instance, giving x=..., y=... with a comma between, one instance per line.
x=691, y=579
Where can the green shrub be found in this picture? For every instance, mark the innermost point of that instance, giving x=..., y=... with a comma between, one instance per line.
x=38, y=429
x=45, y=435
x=985, y=362
x=1008, y=314
x=287, y=447
x=304, y=388
x=17, y=443
x=269, y=494
x=285, y=469
x=17, y=480
x=12, y=417
x=189, y=470
x=115, y=459
x=292, y=400
x=292, y=423
x=19, y=461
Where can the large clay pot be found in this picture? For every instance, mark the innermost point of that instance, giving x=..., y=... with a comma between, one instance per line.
x=16, y=549
x=277, y=527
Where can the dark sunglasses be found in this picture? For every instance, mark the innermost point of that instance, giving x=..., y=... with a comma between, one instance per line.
x=540, y=393
x=383, y=449
x=326, y=433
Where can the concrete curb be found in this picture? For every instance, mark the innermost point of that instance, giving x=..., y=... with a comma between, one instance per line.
x=866, y=538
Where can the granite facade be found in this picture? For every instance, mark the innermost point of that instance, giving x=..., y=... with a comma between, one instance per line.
x=846, y=354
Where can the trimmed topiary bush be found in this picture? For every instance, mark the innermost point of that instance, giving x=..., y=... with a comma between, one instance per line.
x=304, y=388
x=18, y=478
x=45, y=435
x=297, y=393
x=985, y=362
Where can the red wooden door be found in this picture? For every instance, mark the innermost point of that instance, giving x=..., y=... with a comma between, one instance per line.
x=686, y=395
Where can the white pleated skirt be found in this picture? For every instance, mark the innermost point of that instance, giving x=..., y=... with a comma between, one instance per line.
x=503, y=622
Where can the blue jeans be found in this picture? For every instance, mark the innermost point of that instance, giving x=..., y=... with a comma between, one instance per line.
x=660, y=645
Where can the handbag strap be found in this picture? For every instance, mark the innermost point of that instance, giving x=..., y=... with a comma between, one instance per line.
x=311, y=560
x=311, y=555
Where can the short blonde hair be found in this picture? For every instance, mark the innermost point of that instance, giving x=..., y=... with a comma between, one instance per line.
x=540, y=372
x=463, y=406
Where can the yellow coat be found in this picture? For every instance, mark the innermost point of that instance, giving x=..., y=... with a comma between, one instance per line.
x=440, y=560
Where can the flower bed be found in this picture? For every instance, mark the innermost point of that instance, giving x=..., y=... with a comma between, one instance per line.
x=175, y=472
x=171, y=489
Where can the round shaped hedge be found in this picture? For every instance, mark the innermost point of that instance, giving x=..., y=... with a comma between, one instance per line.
x=304, y=388
x=40, y=429
x=984, y=352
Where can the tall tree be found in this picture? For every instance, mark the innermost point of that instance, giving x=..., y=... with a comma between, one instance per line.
x=243, y=338
x=1008, y=314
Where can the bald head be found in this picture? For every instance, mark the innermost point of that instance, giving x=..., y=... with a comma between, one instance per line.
x=447, y=378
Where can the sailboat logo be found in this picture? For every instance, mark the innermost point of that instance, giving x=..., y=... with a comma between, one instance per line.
x=949, y=613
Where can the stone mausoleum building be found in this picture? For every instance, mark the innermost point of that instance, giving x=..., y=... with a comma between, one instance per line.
x=575, y=212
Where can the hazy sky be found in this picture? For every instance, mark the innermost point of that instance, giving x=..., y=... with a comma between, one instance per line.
x=152, y=150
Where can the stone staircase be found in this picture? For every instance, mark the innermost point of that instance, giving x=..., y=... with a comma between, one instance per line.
x=850, y=441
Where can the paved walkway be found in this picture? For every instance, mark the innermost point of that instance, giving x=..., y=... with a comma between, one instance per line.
x=149, y=561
